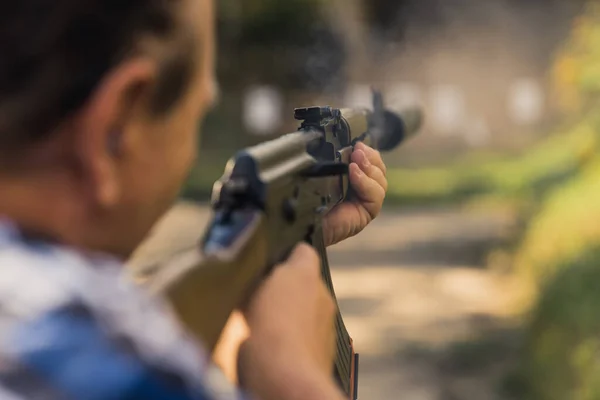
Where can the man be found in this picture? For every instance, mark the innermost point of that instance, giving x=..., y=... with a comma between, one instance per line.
x=99, y=101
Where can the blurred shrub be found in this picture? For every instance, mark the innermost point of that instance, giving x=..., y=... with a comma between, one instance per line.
x=562, y=353
x=560, y=252
x=567, y=224
x=560, y=258
x=290, y=44
x=526, y=177
x=576, y=71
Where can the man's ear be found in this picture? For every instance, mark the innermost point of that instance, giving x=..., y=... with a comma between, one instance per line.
x=103, y=124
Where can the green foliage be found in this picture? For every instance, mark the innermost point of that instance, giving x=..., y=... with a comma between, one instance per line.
x=560, y=253
x=265, y=23
x=566, y=225
x=551, y=162
x=576, y=71
x=562, y=353
x=560, y=256
x=273, y=21
x=201, y=180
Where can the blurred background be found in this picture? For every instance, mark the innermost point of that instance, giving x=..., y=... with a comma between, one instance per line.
x=482, y=278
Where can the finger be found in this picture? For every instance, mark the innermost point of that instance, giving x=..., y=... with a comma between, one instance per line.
x=225, y=354
x=367, y=190
x=371, y=170
x=373, y=155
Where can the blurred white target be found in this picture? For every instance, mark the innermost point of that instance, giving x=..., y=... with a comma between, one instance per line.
x=447, y=112
x=525, y=102
x=263, y=106
x=477, y=131
x=402, y=95
x=359, y=96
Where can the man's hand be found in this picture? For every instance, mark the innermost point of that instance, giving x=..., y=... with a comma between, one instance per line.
x=367, y=178
x=291, y=348
x=290, y=325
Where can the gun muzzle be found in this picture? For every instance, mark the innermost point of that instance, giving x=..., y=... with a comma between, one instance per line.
x=397, y=127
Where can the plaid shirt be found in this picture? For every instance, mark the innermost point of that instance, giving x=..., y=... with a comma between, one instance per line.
x=71, y=327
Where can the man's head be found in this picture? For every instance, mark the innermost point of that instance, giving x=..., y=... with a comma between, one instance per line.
x=99, y=106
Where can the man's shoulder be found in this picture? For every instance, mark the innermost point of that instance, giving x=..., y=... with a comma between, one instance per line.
x=72, y=324
x=67, y=353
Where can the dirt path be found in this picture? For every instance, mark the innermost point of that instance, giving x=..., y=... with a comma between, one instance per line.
x=429, y=320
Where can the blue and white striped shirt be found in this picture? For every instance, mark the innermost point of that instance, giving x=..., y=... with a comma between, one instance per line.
x=72, y=327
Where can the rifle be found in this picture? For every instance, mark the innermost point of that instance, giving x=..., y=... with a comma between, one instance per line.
x=271, y=197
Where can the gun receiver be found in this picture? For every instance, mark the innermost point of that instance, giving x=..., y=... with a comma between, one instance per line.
x=271, y=197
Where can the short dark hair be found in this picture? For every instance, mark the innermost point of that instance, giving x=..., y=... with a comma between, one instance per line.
x=53, y=54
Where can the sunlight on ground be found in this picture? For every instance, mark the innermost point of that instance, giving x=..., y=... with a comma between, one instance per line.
x=431, y=306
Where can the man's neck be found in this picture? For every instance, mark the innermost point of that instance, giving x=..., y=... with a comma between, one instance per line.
x=42, y=206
